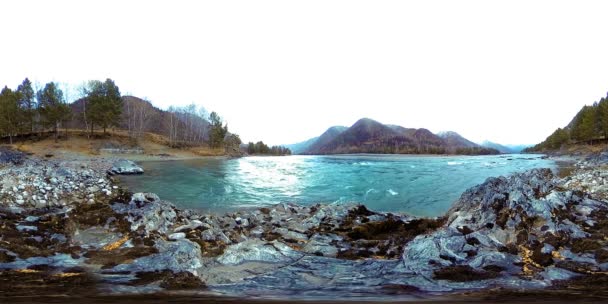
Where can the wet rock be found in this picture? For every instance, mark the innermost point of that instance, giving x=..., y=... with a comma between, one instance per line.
x=179, y=256
x=27, y=228
x=177, y=236
x=441, y=248
x=95, y=237
x=215, y=235
x=291, y=235
x=557, y=274
x=147, y=212
x=321, y=245
x=32, y=218
x=258, y=251
x=121, y=256
x=194, y=224
x=124, y=166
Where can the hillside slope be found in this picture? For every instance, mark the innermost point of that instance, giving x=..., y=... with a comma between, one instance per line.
x=588, y=127
x=302, y=146
x=324, y=139
x=370, y=136
x=140, y=116
x=453, y=139
x=502, y=148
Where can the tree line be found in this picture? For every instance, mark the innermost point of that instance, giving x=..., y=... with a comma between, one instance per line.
x=26, y=111
x=260, y=148
x=589, y=125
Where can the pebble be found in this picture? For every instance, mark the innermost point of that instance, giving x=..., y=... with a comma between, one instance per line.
x=32, y=218
x=177, y=236
x=26, y=228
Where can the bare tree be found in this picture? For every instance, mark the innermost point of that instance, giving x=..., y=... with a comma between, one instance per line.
x=67, y=94
x=82, y=92
x=128, y=103
x=143, y=114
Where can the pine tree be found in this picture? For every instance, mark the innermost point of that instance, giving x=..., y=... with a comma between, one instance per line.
x=584, y=127
x=9, y=113
x=27, y=103
x=602, y=116
x=217, y=131
x=104, y=104
x=52, y=107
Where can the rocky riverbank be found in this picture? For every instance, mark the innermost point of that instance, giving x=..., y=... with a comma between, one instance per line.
x=68, y=228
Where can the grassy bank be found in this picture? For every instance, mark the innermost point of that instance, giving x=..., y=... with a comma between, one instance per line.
x=78, y=144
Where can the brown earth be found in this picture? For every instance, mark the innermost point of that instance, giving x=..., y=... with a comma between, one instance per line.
x=78, y=146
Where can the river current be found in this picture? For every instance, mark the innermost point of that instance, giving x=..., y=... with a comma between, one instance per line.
x=418, y=185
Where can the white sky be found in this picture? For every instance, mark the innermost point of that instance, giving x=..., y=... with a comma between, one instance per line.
x=284, y=71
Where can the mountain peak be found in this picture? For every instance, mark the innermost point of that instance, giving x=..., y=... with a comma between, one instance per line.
x=366, y=121
x=456, y=140
x=370, y=136
x=444, y=134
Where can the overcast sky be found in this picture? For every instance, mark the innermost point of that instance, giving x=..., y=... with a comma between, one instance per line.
x=284, y=71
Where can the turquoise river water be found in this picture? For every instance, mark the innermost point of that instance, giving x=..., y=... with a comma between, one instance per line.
x=418, y=185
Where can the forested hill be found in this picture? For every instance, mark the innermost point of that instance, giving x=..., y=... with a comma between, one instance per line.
x=179, y=124
x=25, y=112
x=370, y=136
x=589, y=125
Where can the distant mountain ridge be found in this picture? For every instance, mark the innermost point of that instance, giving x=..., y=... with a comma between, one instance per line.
x=302, y=146
x=370, y=136
x=506, y=149
x=454, y=139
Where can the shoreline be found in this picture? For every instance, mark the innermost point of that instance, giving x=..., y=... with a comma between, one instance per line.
x=147, y=235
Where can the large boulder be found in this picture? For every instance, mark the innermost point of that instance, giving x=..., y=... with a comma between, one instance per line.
x=147, y=213
x=124, y=166
x=178, y=256
x=258, y=251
